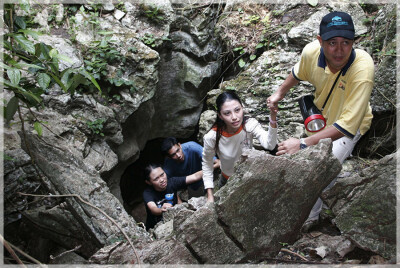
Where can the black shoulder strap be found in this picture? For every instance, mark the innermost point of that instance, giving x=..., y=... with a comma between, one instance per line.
x=330, y=92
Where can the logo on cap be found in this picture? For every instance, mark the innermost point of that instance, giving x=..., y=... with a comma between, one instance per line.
x=336, y=21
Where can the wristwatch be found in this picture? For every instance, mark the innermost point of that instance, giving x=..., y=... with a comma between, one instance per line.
x=303, y=144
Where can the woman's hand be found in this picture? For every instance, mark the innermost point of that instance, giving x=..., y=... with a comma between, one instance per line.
x=272, y=102
x=217, y=163
x=165, y=206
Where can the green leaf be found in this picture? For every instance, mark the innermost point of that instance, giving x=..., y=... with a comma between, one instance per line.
x=259, y=45
x=54, y=66
x=105, y=32
x=25, y=43
x=103, y=43
x=31, y=98
x=42, y=51
x=26, y=65
x=11, y=109
x=14, y=75
x=24, y=5
x=65, y=77
x=11, y=86
x=34, y=34
x=253, y=57
x=38, y=127
x=20, y=21
x=90, y=77
x=43, y=80
x=53, y=53
x=58, y=81
x=242, y=63
x=4, y=66
x=64, y=58
x=77, y=80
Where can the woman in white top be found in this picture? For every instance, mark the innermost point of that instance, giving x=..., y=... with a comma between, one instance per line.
x=229, y=135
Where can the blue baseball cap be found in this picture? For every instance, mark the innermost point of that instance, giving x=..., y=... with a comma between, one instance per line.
x=335, y=24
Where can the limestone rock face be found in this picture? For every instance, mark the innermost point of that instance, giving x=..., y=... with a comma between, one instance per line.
x=157, y=252
x=365, y=207
x=207, y=238
x=166, y=96
x=268, y=198
x=173, y=64
x=68, y=175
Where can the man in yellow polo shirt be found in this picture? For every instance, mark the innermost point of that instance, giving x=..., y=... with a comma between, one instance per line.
x=347, y=111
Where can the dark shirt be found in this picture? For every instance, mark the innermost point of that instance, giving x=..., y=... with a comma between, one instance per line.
x=193, y=160
x=150, y=195
x=193, y=156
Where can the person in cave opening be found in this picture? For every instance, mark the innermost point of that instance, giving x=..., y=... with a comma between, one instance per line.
x=161, y=192
x=230, y=134
x=183, y=160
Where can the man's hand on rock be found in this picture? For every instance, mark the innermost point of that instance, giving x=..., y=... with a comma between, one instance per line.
x=289, y=146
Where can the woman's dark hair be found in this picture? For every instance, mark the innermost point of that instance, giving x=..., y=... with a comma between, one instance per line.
x=219, y=123
x=148, y=169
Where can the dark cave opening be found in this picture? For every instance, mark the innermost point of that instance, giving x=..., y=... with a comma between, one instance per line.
x=132, y=181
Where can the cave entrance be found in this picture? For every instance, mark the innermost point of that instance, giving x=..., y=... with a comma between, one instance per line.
x=132, y=181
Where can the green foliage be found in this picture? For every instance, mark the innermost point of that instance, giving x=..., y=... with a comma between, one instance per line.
x=38, y=127
x=240, y=49
x=6, y=157
x=241, y=63
x=120, y=5
x=368, y=21
x=283, y=244
x=149, y=39
x=328, y=212
x=33, y=68
x=93, y=16
x=253, y=19
x=152, y=12
x=100, y=55
x=390, y=52
x=96, y=126
x=277, y=12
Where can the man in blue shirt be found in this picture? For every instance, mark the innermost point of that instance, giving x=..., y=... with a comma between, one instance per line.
x=184, y=160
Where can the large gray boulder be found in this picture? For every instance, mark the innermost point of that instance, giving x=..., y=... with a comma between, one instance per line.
x=365, y=207
x=207, y=238
x=157, y=252
x=268, y=198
